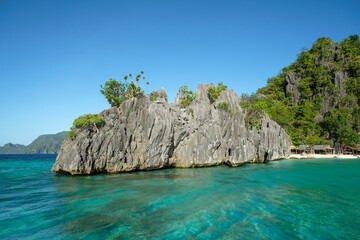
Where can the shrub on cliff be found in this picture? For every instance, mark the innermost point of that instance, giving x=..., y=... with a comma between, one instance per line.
x=71, y=134
x=152, y=97
x=214, y=92
x=186, y=96
x=225, y=107
x=87, y=120
x=117, y=92
x=83, y=121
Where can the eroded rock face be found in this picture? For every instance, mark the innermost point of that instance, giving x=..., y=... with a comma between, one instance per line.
x=340, y=78
x=291, y=88
x=143, y=134
x=160, y=95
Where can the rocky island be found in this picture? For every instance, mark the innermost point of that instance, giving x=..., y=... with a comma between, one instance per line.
x=313, y=101
x=146, y=133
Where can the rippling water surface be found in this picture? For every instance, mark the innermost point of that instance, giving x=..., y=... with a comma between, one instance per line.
x=290, y=199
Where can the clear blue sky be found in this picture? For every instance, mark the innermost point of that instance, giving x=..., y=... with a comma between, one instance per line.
x=55, y=54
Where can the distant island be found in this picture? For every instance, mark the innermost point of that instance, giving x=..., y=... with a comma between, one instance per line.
x=47, y=143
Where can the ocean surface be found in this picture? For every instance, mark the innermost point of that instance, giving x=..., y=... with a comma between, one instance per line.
x=288, y=199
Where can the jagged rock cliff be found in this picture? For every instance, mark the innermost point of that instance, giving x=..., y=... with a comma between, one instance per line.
x=143, y=134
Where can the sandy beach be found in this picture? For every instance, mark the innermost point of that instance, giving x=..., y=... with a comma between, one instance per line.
x=317, y=156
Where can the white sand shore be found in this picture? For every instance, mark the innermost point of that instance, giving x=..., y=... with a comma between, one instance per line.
x=316, y=156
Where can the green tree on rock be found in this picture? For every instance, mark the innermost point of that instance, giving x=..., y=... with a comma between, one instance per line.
x=186, y=96
x=117, y=92
x=214, y=92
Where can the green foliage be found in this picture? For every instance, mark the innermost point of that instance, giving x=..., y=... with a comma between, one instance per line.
x=84, y=121
x=47, y=143
x=343, y=134
x=214, y=92
x=315, y=73
x=87, y=119
x=153, y=97
x=317, y=140
x=254, y=110
x=114, y=92
x=191, y=111
x=71, y=135
x=225, y=107
x=352, y=84
x=351, y=46
x=186, y=96
x=341, y=124
x=117, y=92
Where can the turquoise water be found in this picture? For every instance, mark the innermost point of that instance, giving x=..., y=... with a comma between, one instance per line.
x=289, y=199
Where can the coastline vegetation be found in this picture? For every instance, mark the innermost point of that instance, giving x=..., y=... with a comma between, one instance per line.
x=323, y=113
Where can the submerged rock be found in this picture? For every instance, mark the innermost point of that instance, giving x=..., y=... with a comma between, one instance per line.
x=143, y=134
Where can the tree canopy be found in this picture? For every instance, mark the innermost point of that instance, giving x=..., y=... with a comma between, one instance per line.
x=323, y=113
x=186, y=96
x=117, y=92
x=214, y=92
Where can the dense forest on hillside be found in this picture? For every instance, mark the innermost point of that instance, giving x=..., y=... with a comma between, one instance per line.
x=47, y=143
x=316, y=98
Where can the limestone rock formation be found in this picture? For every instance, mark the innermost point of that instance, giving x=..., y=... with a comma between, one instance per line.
x=160, y=95
x=292, y=89
x=340, y=78
x=143, y=134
